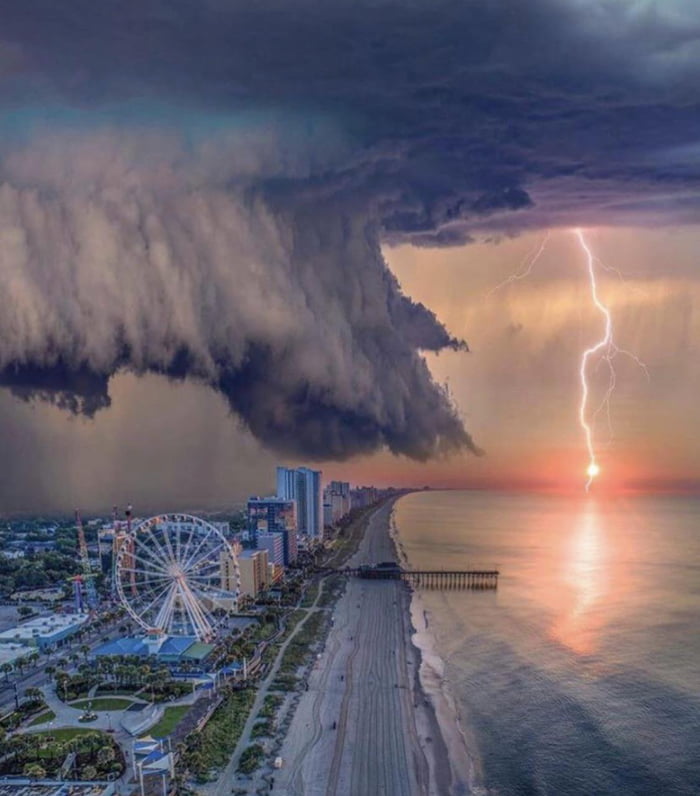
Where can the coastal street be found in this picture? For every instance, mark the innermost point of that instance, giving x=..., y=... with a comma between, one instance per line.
x=356, y=730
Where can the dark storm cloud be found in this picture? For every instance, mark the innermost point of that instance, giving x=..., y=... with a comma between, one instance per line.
x=201, y=189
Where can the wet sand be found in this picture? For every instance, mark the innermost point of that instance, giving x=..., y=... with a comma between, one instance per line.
x=365, y=725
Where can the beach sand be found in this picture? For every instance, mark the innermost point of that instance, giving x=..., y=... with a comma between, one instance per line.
x=366, y=726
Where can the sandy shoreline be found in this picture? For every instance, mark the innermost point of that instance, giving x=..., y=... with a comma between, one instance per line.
x=443, y=717
x=368, y=724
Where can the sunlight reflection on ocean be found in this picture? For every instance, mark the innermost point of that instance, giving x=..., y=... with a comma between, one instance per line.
x=581, y=674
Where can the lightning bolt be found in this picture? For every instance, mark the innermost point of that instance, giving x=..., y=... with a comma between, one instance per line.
x=609, y=349
x=606, y=346
x=525, y=268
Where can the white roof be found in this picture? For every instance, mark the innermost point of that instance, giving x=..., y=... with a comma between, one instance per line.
x=42, y=626
x=10, y=652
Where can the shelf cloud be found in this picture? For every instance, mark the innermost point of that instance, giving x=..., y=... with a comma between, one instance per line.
x=203, y=189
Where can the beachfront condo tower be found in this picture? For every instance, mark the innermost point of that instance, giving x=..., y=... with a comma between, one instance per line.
x=303, y=486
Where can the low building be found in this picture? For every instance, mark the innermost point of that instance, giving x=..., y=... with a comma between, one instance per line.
x=51, y=594
x=122, y=646
x=169, y=650
x=11, y=652
x=16, y=786
x=45, y=632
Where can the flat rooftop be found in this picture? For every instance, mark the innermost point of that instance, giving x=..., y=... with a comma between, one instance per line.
x=42, y=626
x=9, y=652
x=22, y=787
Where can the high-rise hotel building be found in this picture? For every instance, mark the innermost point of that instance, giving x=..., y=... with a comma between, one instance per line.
x=303, y=486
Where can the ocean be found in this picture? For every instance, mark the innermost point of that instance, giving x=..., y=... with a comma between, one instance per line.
x=581, y=673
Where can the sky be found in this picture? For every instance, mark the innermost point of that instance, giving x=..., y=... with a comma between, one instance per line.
x=235, y=234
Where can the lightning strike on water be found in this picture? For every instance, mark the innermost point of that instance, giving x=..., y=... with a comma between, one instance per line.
x=606, y=346
x=609, y=350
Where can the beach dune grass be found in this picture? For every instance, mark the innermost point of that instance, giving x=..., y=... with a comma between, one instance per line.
x=251, y=758
x=211, y=748
x=271, y=705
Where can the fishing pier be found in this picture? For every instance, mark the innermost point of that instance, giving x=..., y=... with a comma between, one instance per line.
x=428, y=578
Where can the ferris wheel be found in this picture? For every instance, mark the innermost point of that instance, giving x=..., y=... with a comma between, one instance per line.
x=177, y=575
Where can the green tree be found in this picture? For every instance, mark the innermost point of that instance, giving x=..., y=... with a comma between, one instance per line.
x=55, y=750
x=19, y=664
x=33, y=693
x=89, y=773
x=34, y=771
x=105, y=755
x=62, y=679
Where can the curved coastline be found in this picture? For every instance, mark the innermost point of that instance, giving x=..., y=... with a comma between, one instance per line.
x=434, y=686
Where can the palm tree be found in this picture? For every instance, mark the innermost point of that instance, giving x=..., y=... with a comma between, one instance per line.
x=144, y=673
x=20, y=663
x=32, y=693
x=62, y=679
x=6, y=668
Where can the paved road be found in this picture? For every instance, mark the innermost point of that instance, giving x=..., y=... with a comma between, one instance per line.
x=35, y=677
x=363, y=687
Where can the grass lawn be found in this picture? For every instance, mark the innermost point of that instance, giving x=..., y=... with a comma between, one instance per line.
x=42, y=718
x=102, y=703
x=170, y=719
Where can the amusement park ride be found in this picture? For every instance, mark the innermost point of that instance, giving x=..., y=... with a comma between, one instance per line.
x=84, y=591
x=174, y=574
